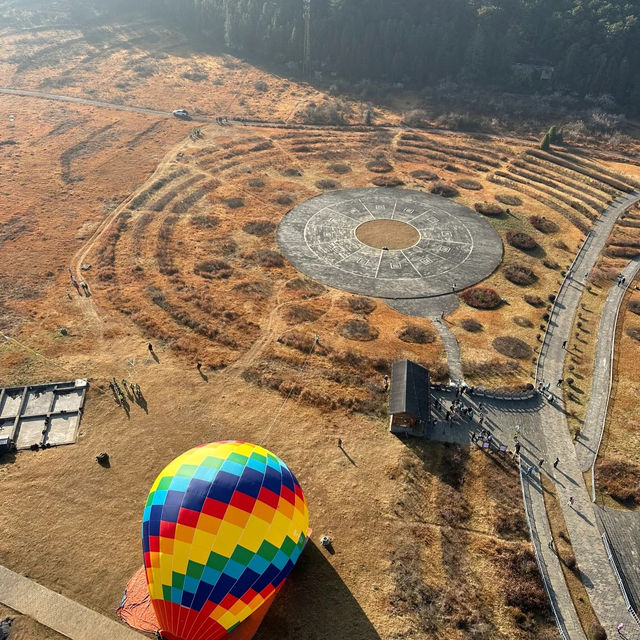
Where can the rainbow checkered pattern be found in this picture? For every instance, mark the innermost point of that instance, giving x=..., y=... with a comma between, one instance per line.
x=223, y=527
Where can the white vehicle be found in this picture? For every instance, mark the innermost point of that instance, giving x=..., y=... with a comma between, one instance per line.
x=181, y=113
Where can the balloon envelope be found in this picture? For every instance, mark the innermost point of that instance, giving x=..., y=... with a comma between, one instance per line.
x=223, y=527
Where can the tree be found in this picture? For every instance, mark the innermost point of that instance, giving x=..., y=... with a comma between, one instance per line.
x=545, y=145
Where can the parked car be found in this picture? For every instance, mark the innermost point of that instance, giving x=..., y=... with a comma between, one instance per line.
x=181, y=113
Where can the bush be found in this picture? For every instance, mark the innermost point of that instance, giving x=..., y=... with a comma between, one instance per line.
x=296, y=314
x=285, y=198
x=471, y=325
x=519, y=275
x=261, y=86
x=305, y=287
x=482, y=298
x=328, y=112
x=559, y=244
x=379, y=165
x=550, y=264
x=543, y=224
x=488, y=208
x=327, y=184
x=621, y=480
x=268, y=258
x=512, y=347
x=597, y=632
x=472, y=185
x=445, y=190
x=357, y=329
x=387, y=181
x=234, y=203
x=521, y=240
x=414, y=334
x=521, y=321
x=361, y=305
x=634, y=306
x=340, y=169
x=256, y=183
x=292, y=172
x=423, y=174
x=508, y=199
x=204, y=221
x=214, y=268
x=259, y=227
x=634, y=332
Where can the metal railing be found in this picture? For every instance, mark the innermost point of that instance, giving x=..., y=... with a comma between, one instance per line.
x=542, y=568
x=612, y=561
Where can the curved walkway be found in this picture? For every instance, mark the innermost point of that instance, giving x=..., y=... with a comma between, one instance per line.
x=554, y=440
x=53, y=610
x=588, y=444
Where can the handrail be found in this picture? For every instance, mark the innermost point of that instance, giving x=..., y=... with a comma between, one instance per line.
x=540, y=563
x=607, y=546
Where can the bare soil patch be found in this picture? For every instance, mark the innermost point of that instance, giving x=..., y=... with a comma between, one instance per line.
x=389, y=234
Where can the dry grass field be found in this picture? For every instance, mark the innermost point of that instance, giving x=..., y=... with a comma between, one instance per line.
x=180, y=232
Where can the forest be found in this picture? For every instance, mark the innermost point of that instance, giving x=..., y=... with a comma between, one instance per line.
x=588, y=47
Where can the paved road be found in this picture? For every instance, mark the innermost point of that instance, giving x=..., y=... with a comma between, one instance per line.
x=589, y=442
x=57, y=612
x=555, y=441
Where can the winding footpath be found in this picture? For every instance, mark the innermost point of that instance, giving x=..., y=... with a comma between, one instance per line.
x=552, y=439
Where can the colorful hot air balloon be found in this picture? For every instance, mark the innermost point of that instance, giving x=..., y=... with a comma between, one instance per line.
x=223, y=527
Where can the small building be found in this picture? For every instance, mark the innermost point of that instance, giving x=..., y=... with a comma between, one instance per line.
x=409, y=398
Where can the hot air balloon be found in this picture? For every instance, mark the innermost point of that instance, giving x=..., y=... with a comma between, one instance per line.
x=223, y=526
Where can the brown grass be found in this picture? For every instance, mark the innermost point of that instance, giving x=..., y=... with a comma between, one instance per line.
x=512, y=347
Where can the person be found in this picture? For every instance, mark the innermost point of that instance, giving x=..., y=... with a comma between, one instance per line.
x=560, y=381
x=530, y=470
x=620, y=627
x=325, y=541
x=547, y=386
x=541, y=462
x=199, y=366
x=480, y=406
x=138, y=390
x=386, y=382
x=481, y=420
x=564, y=344
x=571, y=501
x=150, y=348
x=517, y=448
x=339, y=443
x=555, y=464
x=442, y=315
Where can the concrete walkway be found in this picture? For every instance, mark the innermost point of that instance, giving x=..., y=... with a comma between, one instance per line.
x=451, y=347
x=57, y=612
x=589, y=441
x=555, y=441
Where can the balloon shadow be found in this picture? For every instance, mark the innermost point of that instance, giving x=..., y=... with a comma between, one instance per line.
x=315, y=604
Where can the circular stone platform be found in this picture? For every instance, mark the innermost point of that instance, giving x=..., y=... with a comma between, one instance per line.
x=389, y=243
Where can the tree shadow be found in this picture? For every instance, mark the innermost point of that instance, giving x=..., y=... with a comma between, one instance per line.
x=348, y=457
x=203, y=375
x=315, y=604
x=142, y=402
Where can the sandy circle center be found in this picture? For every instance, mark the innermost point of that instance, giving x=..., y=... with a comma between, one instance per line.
x=387, y=234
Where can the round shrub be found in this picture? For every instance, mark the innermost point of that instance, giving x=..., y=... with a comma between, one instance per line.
x=634, y=306
x=482, y=298
x=259, y=227
x=285, y=198
x=387, y=181
x=213, y=269
x=356, y=329
x=472, y=185
x=512, y=347
x=521, y=240
x=519, y=274
x=327, y=184
x=543, y=224
x=423, y=174
x=292, y=172
x=634, y=332
x=488, y=208
x=597, y=632
x=414, y=334
x=361, y=305
x=508, y=199
x=534, y=301
x=234, y=203
x=445, y=190
x=521, y=321
x=558, y=244
x=550, y=264
x=268, y=258
x=296, y=314
x=256, y=183
x=305, y=287
x=379, y=165
x=471, y=325
x=339, y=168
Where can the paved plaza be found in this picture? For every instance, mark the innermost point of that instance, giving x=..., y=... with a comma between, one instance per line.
x=390, y=243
